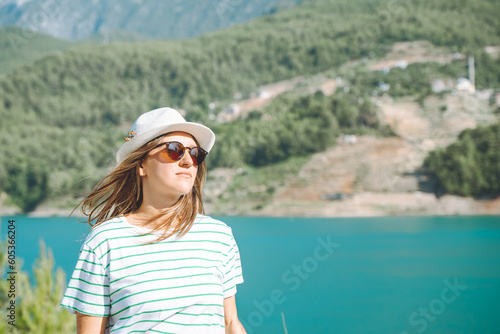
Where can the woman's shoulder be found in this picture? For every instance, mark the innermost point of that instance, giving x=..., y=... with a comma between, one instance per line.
x=106, y=229
x=207, y=222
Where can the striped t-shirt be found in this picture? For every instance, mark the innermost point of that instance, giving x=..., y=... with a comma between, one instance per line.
x=173, y=286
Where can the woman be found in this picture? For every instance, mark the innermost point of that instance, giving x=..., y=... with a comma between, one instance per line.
x=152, y=262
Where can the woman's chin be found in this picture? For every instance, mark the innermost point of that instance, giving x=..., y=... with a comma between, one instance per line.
x=180, y=192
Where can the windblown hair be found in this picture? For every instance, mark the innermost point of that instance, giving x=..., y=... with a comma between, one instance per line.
x=120, y=193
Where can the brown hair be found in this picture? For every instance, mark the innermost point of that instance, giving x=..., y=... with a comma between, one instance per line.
x=120, y=193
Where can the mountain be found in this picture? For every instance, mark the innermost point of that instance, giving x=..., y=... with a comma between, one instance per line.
x=150, y=19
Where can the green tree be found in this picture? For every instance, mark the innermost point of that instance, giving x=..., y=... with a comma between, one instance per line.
x=471, y=166
x=26, y=183
x=37, y=303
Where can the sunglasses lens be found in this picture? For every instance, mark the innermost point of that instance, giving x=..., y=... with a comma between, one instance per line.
x=198, y=155
x=175, y=151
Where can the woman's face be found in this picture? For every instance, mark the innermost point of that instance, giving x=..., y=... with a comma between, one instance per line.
x=165, y=180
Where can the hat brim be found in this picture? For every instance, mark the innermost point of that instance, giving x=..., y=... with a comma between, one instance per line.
x=203, y=135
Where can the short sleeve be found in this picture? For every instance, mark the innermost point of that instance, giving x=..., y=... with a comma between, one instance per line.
x=232, y=270
x=88, y=288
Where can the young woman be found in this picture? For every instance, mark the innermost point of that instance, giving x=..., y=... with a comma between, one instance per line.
x=152, y=262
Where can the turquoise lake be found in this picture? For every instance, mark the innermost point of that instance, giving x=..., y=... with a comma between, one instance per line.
x=340, y=275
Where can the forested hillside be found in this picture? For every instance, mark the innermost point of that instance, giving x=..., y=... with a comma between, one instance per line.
x=64, y=117
x=19, y=47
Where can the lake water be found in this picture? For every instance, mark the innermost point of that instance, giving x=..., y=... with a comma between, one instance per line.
x=341, y=275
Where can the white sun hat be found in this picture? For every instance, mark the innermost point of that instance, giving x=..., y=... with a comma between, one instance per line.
x=160, y=121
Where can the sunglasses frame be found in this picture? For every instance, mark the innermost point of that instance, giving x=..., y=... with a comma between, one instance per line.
x=184, y=148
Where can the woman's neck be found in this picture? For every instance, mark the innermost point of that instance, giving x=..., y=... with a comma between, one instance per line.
x=141, y=216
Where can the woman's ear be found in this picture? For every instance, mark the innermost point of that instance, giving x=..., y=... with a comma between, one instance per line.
x=141, y=170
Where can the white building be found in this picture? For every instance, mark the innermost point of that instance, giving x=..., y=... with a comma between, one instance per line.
x=465, y=86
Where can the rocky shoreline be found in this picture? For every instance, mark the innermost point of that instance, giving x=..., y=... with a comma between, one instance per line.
x=364, y=204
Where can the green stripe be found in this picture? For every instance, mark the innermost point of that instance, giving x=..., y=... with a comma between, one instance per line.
x=121, y=237
x=169, y=309
x=213, y=241
x=89, y=293
x=234, y=263
x=155, y=311
x=117, y=248
x=160, y=321
x=76, y=309
x=109, y=229
x=158, y=279
x=92, y=252
x=165, y=260
x=168, y=251
x=232, y=286
x=89, y=272
x=84, y=302
x=231, y=259
x=195, y=315
x=79, y=279
x=160, y=300
x=151, y=271
x=232, y=268
x=165, y=251
x=153, y=330
x=116, y=220
x=179, y=324
x=172, y=323
x=90, y=262
x=163, y=288
x=231, y=278
x=140, y=245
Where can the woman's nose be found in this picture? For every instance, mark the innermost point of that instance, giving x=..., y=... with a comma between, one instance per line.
x=186, y=159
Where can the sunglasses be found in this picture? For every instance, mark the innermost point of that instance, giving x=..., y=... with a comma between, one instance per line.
x=175, y=151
